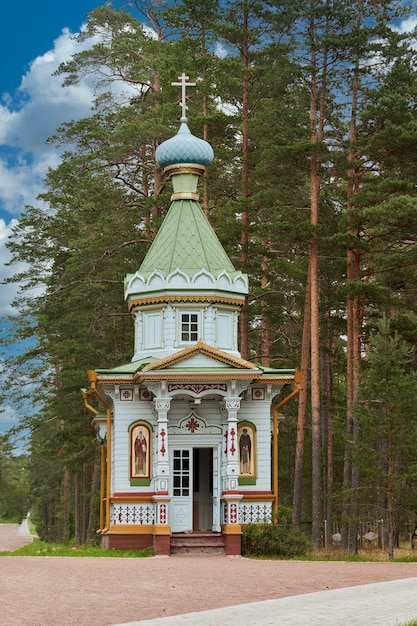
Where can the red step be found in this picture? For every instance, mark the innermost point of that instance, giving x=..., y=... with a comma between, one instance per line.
x=197, y=543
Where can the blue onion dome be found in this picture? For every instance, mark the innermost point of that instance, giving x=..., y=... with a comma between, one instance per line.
x=184, y=148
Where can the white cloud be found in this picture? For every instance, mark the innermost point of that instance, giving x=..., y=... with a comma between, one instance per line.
x=8, y=415
x=8, y=291
x=21, y=183
x=408, y=25
x=8, y=418
x=33, y=114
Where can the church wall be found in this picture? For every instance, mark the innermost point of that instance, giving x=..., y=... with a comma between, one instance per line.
x=209, y=326
x=125, y=414
x=137, y=316
x=156, y=329
x=169, y=329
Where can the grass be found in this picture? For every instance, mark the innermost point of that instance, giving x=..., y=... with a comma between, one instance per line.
x=41, y=548
x=357, y=558
x=403, y=554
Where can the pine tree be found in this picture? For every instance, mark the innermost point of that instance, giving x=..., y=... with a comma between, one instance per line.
x=386, y=453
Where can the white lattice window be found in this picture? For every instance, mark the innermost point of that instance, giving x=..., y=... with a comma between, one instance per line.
x=190, y=327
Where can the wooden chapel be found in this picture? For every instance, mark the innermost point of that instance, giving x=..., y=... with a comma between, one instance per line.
x=187, y=425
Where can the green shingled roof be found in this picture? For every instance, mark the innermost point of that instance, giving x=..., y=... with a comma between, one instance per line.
x=128, y=368
x=187, y=241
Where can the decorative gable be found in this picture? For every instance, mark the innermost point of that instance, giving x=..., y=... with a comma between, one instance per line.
x=196, y=354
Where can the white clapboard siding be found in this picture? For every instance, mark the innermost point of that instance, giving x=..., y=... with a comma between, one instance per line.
x=127, y=413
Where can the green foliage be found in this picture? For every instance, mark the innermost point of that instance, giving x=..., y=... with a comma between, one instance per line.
x=14, y=484
x=386, y=451
x=42, y=548
x=274, y=540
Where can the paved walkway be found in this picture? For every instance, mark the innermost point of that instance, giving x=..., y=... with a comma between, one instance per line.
x=390, y=603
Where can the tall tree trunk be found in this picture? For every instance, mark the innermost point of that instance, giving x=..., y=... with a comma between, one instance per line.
x=317, y=117
x=93, y=522
x=77, y=510
x=302, y=407
x=85, y=501
x=390, y=469
x=265, y=346
x=66, y=530
x=353, y=352
x=327, y=417
x=315, y=381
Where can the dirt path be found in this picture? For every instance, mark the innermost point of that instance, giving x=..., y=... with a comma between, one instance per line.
x=46, y=591
x=13, y=536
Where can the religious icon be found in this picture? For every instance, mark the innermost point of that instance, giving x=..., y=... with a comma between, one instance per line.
x=246, y=449
x=140, y=451
x=141, y=448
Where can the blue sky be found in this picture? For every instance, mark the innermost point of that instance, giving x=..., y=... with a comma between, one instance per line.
x=34, y=39
x=29, y=29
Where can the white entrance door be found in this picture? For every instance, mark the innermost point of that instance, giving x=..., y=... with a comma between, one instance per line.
x=181, y=509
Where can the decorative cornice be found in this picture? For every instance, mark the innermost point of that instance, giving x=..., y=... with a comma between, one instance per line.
x=283, y=379
x=239, y=302
x=139, y=377
x=217, y=375
x=197, y=388
x=109, y=379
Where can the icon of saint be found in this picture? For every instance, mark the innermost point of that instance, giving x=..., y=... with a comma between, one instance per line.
x=141, y=449
x=245, y=451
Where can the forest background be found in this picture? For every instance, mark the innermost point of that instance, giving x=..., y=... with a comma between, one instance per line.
x=311, y=109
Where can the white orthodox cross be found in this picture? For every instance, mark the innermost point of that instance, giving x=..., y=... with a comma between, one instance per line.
x=183, y=84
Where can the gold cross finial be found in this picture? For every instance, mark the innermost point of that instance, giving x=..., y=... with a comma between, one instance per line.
x=183, y=84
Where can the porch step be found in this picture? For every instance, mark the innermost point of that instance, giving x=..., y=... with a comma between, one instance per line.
x=197, y=543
